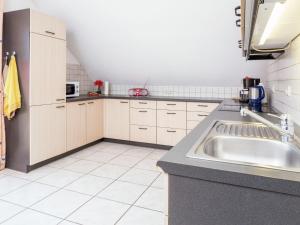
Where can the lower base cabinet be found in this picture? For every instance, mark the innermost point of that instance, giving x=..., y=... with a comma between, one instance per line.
x=84, y=123
x=168, y=136
x=47, y=132
x=143, y=134
x=76, y=125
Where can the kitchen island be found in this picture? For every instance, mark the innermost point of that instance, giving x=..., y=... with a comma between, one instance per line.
x=208, y=192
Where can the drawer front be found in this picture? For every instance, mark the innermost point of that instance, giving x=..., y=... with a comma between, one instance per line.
x=197, y=116
x=145, y=117
x=47, y=25
x=201, y=106
x=171, y=119
x=192, y=124
x=144, y=134
x=167, y=136
x=169, y=105
x=141, y=104
x=188, y=131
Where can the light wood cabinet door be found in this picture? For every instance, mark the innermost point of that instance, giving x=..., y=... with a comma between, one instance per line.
x=47, y=25
x=171, y=119
x=94, y=120
x=116, y=119
x=47, y=132
x=145, y=117
x=47, y=70
x=201, y=107
x=167, y=136
x=143, y=134
x=76, y=125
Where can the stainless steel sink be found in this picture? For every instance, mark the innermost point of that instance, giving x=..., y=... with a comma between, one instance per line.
x=247, y=144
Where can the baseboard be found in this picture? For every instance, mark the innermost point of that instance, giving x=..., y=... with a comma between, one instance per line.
x=117, y=141
x=43, y=163
x=140, y=144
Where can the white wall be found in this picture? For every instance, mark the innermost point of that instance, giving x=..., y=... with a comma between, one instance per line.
x=282, y=74
x=11, y=5
x=169, y=42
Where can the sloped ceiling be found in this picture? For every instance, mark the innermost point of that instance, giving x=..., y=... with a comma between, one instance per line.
x=187, y=42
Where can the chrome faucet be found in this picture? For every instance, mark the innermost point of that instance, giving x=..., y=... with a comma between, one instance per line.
x=286, y=127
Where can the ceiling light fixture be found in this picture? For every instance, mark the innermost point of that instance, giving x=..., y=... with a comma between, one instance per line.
x=275, y=15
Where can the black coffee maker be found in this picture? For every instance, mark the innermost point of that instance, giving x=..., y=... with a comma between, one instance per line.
x=248, y=82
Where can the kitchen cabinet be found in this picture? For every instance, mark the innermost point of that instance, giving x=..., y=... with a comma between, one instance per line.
x=143, y=121
x=84, y=123
x=76, y=125
x=47, y=132
x=145, y=134
x=169, y=136
x=171, y=119
x=94, y=120
x=198, y=111
x=40, y=125
x=46, y=25
x=47, y=70
x=116, y=119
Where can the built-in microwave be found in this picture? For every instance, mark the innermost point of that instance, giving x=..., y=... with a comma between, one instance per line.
x=72, y=89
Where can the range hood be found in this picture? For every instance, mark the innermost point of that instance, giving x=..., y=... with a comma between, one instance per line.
x=268, y=27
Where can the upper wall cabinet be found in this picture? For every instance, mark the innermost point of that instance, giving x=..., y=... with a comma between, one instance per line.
x=47, y=25
x=268, y=27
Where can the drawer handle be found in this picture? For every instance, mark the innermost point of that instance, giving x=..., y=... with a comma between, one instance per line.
x=60, y=99
x=81, y=104
x=91, y=102
x=171, y=113
x=143, y=111
x=143, y=128
x=202, y=115
x=50, y=32
x=143, y=103
x=123, y=102
x=171, y=104
x=203, y=106
x=60, y=107
x=171, y=131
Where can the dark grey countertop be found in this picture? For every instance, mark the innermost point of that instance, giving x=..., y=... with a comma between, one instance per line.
x=175, y=162
x=158, y=98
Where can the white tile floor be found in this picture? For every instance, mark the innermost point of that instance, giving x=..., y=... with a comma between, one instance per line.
x=105, y=184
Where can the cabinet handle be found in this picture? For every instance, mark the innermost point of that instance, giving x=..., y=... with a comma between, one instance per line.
x=81, y=104
x=143, y=103
x=171, y=104
x=202, y=115
x=91, y=103
x=60, y=107
x=143, y=111
x=60, y=99
x=123, y=102
x=50, y=32
x=171, y=131
x=143, y=128
x=203, y=106
x=171, y=113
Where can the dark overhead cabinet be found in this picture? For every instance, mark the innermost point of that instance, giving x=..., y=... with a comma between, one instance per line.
x=268, y=27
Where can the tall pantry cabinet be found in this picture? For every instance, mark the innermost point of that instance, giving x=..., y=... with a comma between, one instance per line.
x=40, y=125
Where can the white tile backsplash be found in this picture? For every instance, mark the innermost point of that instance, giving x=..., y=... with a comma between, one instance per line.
x=180, y=91
x=284, y=73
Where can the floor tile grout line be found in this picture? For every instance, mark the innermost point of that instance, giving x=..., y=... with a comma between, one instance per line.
x=134, y=203
x=64, y=188
x=96, y=196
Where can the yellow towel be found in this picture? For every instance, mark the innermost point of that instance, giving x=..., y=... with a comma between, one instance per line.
x=12, y=95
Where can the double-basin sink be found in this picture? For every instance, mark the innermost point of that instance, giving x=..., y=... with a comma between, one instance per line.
x=252, y=144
